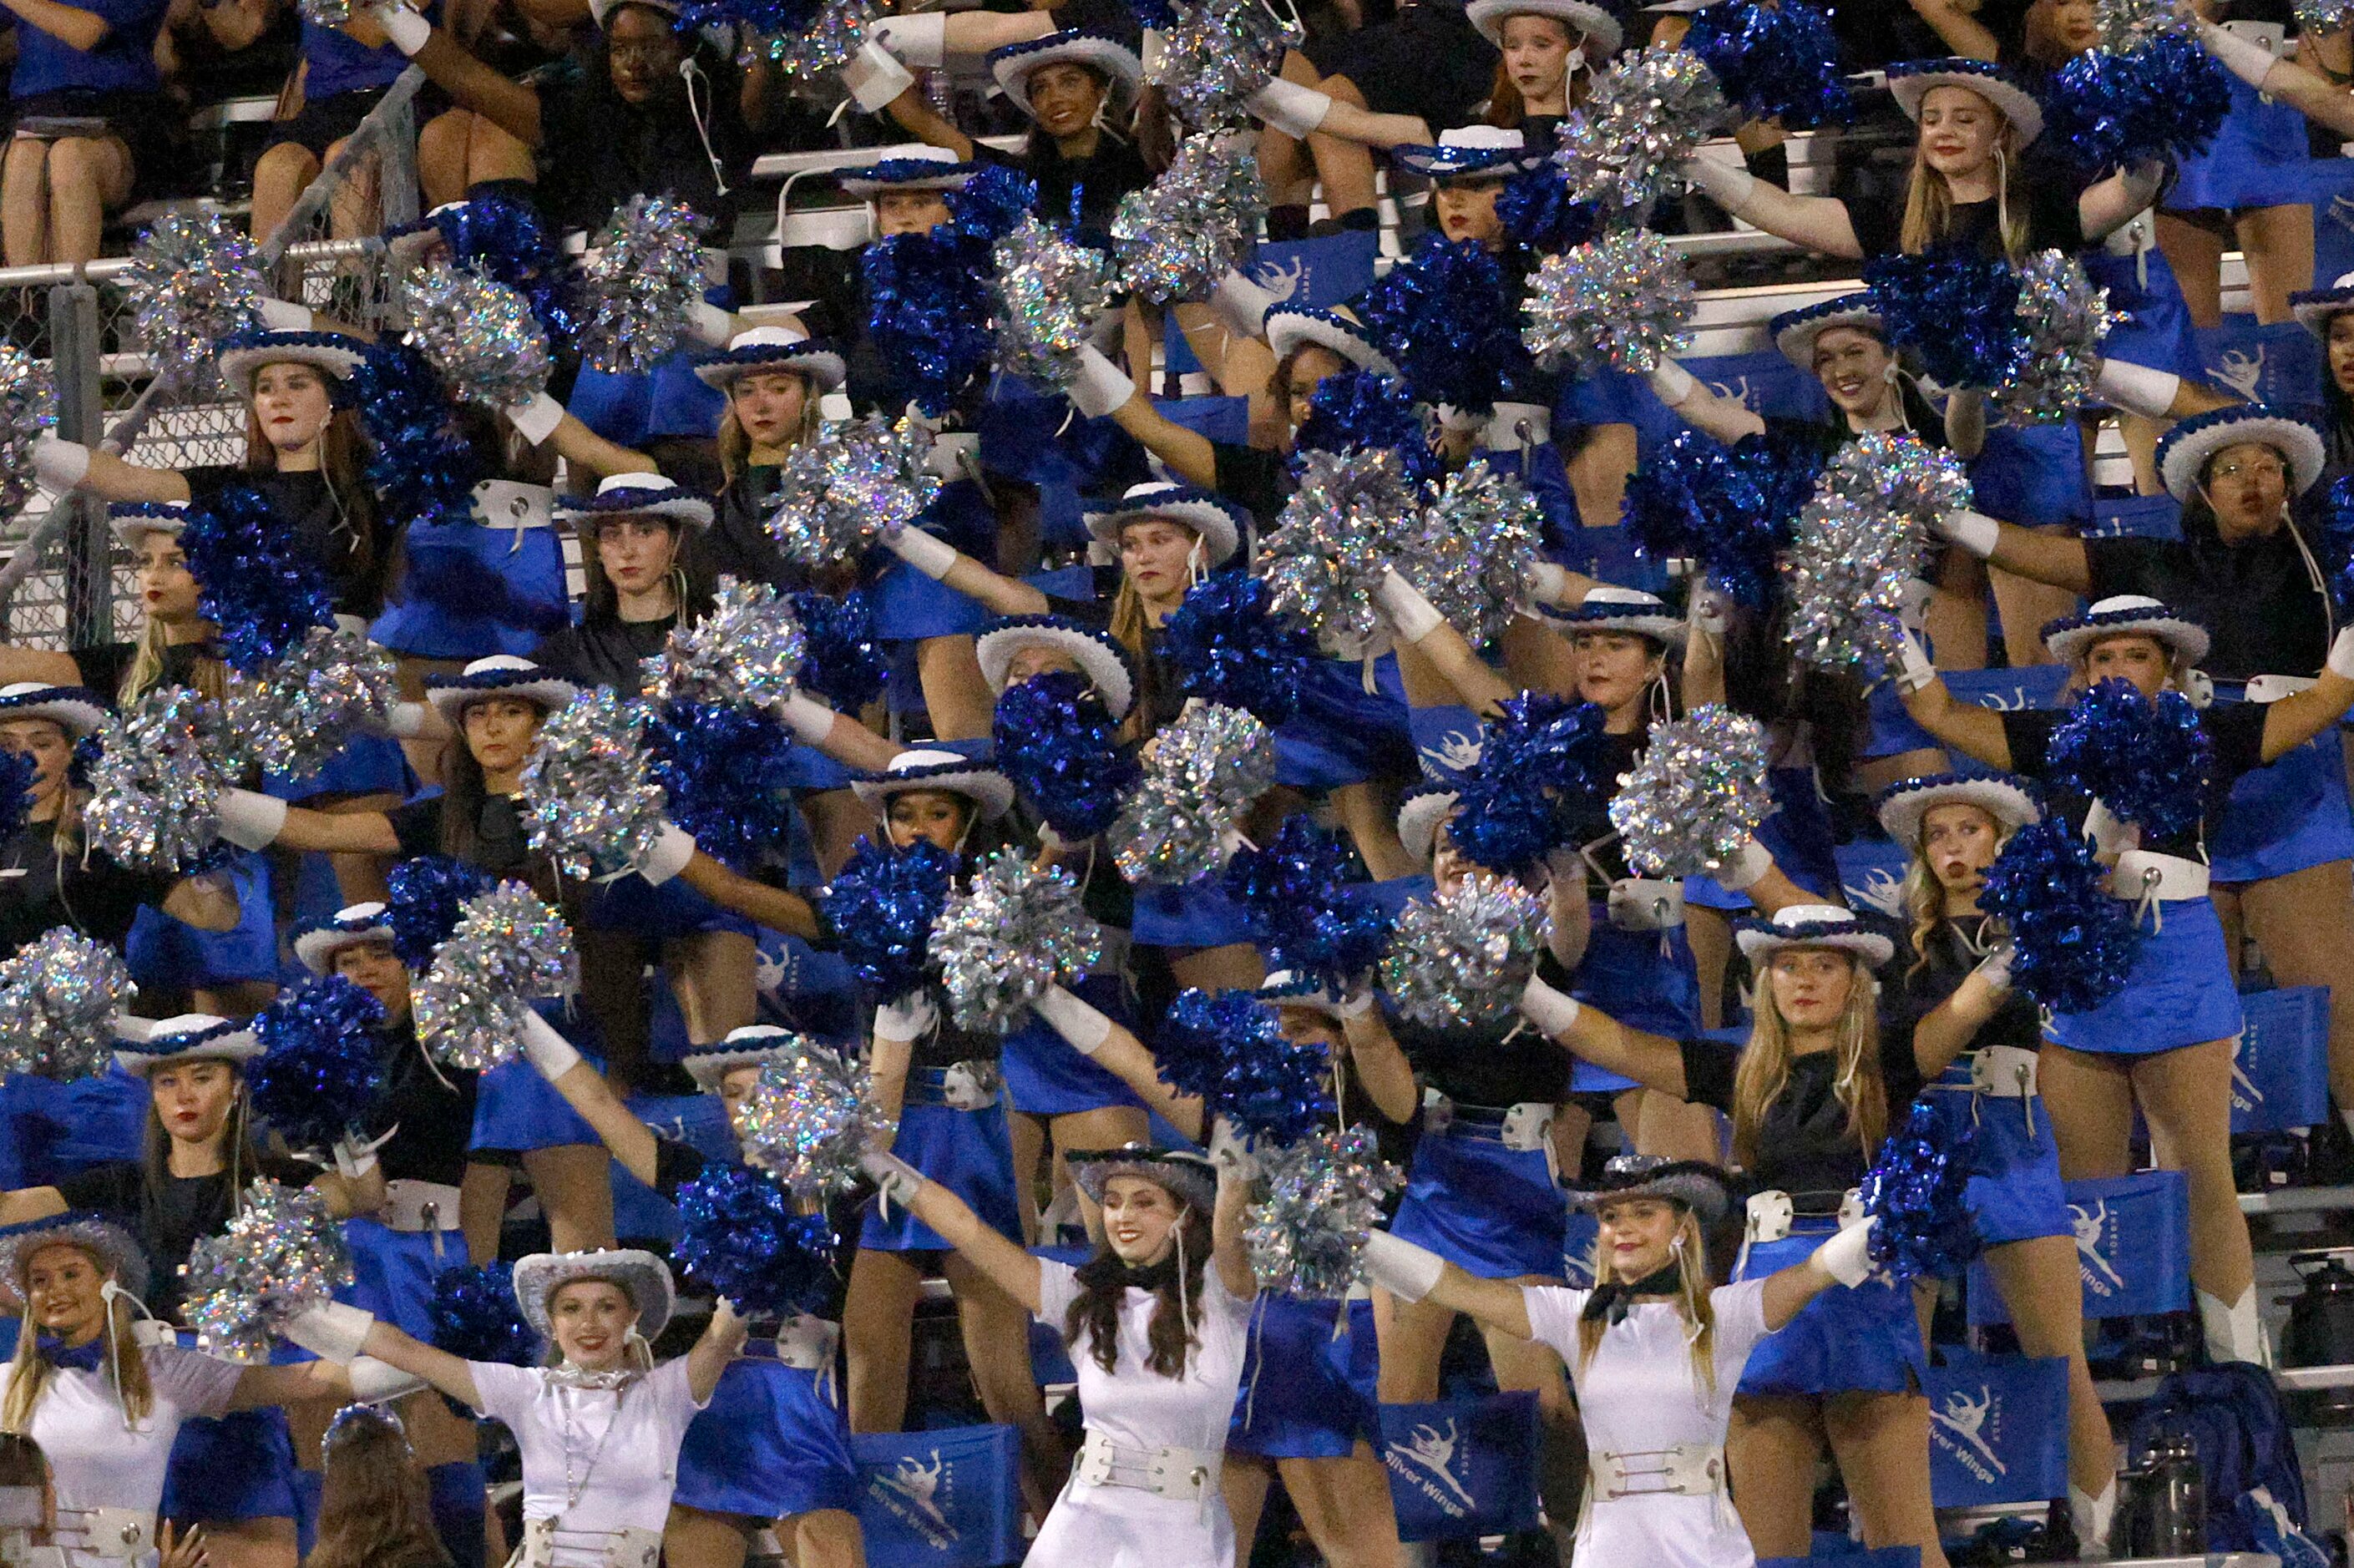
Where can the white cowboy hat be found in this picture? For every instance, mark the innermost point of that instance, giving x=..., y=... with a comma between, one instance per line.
x=772, y=348
x=1468, y=149
x=132, y=521
x=1105, y=662
x=1812, y=926
x=1289, y=326
x=1910, y=81
x=498, y=676
x=985, y=786
x=640, y=1276
x=242, y=356
x=1903, y=804
x=754, y=1045
x=1212, y=517
x=1420, y=811
x=144, y=1046
x=1013, y=65
x=2071, y=637
x=1794, y=331
x=637, y=496
x=1603, y=32
x=914, y=168
x=76, y=710
x=352, y=924
x=2183, y=456
x=1607, y=607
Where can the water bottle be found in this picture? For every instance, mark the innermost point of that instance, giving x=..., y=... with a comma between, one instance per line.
x=2174, y=1499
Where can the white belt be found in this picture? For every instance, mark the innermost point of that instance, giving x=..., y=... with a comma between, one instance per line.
x=1772, y=1215
x=1183, y=1474
x=2272, y=688
x=511, y=504
x=1503, y=432
x=2004, y=1072
x=418, y=1207
x=1646, y=904
x=545, y=1539
x=1688, y=1469
x=945, y=460
x=2273, y=35
x=120, y=1533
x=2149, y=878
x=807, y=1343
x=1523, y=1128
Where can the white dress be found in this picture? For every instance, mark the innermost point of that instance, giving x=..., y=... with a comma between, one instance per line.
x=95, y=1461
x=1639, y=1395
x=596, y=1460
x=1136, y=1407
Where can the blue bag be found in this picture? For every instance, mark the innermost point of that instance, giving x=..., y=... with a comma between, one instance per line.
x=1997, y=1430
x=950, y=1499
x=2280, y=1068
x=1462, y=1467
x=2133, y=1248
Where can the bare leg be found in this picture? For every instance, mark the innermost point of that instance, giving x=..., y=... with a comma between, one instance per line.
x=2027, y=607
x=24, y=203
x=575, y=1183
x=2305, y=923
x=1771, y=1450
x=876, y=1316
x=711, y=975
x=997, y=1346
x=1237, y=964
x=1345, y=1506
x=2090, y=1098
x=1369, y=815
x=1956, y=617
x=2186, y=1097
x=1710, y=932
x=1245, y=1481
x=1345, y=169
x=250, y=1542
x=2038, y=1283
x=1882, y=1443
x=823, y=1537
x=482, y=1207
x=956, y=696
x=87, y=175
x=836, y=817
x=2277, y=243
x=280, y=178
x=2196, y=256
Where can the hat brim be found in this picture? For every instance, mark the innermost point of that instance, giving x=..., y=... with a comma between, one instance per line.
x=132, y=531
x=2313, y=308
x=1602, y=30
x=640, y=1276
x=995, y=651
x=1902, y=809
x=76, y=715
x=1700, y=1188
x=709, y=1069
x=2071, y=642
x=1207, y=518
x=1661, y=629
x=317, y=949
x=1797, y=339
x=2181, y=459
x=1117, y=61
x=1287, y=330
x=548, y=691
x=1758, y=945
x=1418, y=820
x=2015, y=103
x=683, y=509
x=985, y=787
x=239, y=1048
x=1441, y=162
x=1189, y=1176
x=94, y=1234
x=821, y=368
x=239, y=367
x=866, y=189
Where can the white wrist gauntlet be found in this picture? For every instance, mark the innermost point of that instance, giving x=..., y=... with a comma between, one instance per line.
x=1414, y=616
x=1241, y=304
x=927, y=553
x=2244, y=57
x=2341, y=655
x=2136, y=388
x=1287, y=107
x=921, y=39
x=1099, y=388
x=547, y=1050
x=331, y=1331
x=1745, y=867
x=1548, y=584
x=248, y=821
x=1728, y=185
x=895, y=1177
x=375, y=1382
x=810, y=720
x=1400, y=1268
x=285, y=315
x=1552, y=1013
x=1847, y=1257
x=407, y=721
x=536, y=420
x=873, y=78
x=1085, y=1026
x=1671, y=383
x=1973, y=531
x=909, y=1017
x=668, y=856
x=711, y=325
x=59, y=465
x=405, y=28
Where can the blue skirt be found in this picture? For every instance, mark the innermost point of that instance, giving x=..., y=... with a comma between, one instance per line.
x=1626, y=975
x=660, y=912
x=1301, y=1396
x=2258, y=158
x=367, y=765
x=1044, y=1076
x=166, y=952
x=2179, y=992
x=1446, y=739
x=1342, y=733
x=2014, y=1193
x=1198, y=915
x=669, y=400
x=968, y=1152
x=1608, y=551
x=392, y=1271
x=1892, y=731
x=768, y=1445
x=516, y=1110
x=471, y=591
x=1798, y=835
x=2033, y=475
x=1489, y=1211
x=807, y=767
x=909, y=607
x=2157, y=332
x=2286, y=817
x=231, y=1467
x=1844, y=1341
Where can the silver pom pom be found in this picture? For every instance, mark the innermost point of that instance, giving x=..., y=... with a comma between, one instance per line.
x=746, y=653
x=639, y=284
x=478, y=335
x=1307, y=1237
x=507, y=949
x=293, y=716
x=193, y=280
x=2067, y=319
x=2128, y=23
x=1050, y=294
x=1696, y=796
x=1473, y=550
x=589, y=796
x=826, y=45
x=326, y=13
x=58, y=998
x=1644, y=116
x=1620, y=302
x=29, y=406
x=1845, y=574
x=1006, y=936
x=1461, y=959
x=281, y=1255
x=1179, y=236
x=157, y=783
x=1351, y=515
x=809, y=1118
x=1219, y=53
x=1205, y=770
x=857, y=482
x=1892, y=471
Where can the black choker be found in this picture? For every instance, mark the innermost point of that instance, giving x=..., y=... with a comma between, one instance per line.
x=1609, y=1302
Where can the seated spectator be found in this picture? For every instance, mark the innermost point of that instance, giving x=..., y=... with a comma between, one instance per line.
x=84, y=87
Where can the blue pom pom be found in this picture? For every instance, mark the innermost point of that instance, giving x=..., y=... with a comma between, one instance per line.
x=425, y=898
x=2149, y=761
x=16, y=770
x=739, y=1234
x=1442, y=316
x=2075, y=942
x=1227, y=1049
x=420, y=462
x=992, y=204
x=771, y=18
x=841, y=660
x=1779, y=61
x=1918, y=1189
x=1540, y=769
x=1958, y=313
x=1539, y=214
x=927, y=309
x=1360, y=410
x=1055, y=742
x=882, y=905
x=503, y=239
x=727, y=774
x=2164, y=99
x=322, y=1069
x=1733, y=510
x=474, y=1316
x=258, y=587
x=1305, y=909
x=2336, y=545
x=1235, y=651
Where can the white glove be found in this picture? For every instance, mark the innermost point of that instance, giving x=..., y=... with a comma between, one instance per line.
x=285, y=315
x=2136, y=388
x=927, y=553
x=1973, y=531
x=59, y=465
x=1912, y=610
x=920, y=40
x=1671, y=383
x=1414, y=616
x=1847, y=1257
x=404, y=28
x=810, y=720
x=1240, y=304
x=2110, y=835
x=1914, y=669
x=1547, y=584
x=711, y=325
x=1098, y=387
x=1745, y=867
x=1290, y=108
x=1549, y=1010
x=375, y=1383
x=893, y=1177
x=1711, y=607
x=1400, y=1268
x=536, y=420
x=2244, y=57
x=248, y=821
x=1995, y=967
x=873, y=78
x=331, y=1331
x=909, y=1017
x=547, y=1050
x=2341, y=655
x=1728, y=185
x=1230, y=1151
x=407, y=721
x=355, y=1156
x=669, y=855
x=1081, y=1023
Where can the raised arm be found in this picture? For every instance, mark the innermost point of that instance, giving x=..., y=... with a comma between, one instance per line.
x=1958, y=29
x=1009, y=1268
x=2299, y=716
x=919, y=119
x=2108, y=204
x=583, y=448
x=2309, y=92
x=631, y=1142
x=1821, y=224
x=1841, y=1260
x=1383, y=1071
x=1413, y=1274
x=247, y=817
x=443, y=1371
x=1419, y=625
x=1592, y=1035
x=62, y=465
x=69, y=25
x=1965, y=727
x=1112, y=1046
x=207, y=902
x=722, y=1341
x=26, y=1204
x=1227, y=1224
x=945, y=563
x=757, y=901
x=2059, y=560
x=505, y=102
x=1704, y=408
x=1101, y=388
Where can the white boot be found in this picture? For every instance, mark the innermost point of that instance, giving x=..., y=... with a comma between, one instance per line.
x=2091, y=1516
x=2234, y=1333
